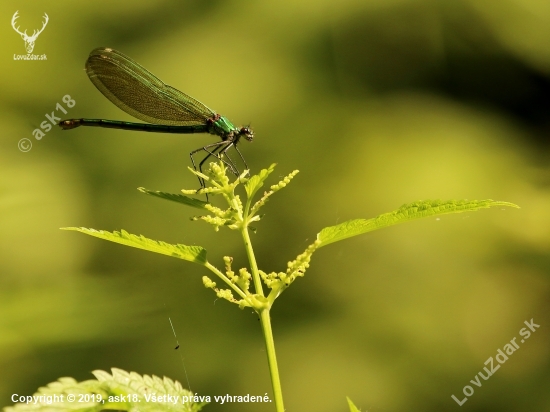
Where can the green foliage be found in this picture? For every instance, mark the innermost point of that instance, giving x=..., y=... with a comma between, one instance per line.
x=122, y=391
x=352, y=407
x=238, y=216
x=186, y=200
x=405, y=213
x=194, y=254
x=257, y=181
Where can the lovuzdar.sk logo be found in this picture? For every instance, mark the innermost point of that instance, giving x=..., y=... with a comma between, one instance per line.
x=29, y=40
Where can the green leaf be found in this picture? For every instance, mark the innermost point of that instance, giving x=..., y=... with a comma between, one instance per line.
x=257, y=181
x=186, y=200
x=194, y=254
x=405, y=213
x=352, y=407
x=121, y=391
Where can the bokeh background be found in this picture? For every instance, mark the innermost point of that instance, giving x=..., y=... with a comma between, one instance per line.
x=377, y=103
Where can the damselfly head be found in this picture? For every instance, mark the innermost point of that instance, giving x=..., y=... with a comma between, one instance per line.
x=247, y=133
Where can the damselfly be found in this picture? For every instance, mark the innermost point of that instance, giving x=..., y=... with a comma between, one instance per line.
x=167, y=110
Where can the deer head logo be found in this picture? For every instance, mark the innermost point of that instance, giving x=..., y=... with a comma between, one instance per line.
x=29, y=40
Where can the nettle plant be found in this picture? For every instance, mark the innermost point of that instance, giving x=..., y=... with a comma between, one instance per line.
x=130, y=391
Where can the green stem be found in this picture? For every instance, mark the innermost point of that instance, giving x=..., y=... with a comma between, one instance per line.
x=265, y=320
x=218, y=273
x=272, y=360
x=252, y=259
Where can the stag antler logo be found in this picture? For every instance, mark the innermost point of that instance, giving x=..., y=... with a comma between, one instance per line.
x=29, y=40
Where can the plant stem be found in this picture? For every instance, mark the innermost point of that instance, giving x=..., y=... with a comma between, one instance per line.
x=220, y=274
x=252, y=260
x=265, y=320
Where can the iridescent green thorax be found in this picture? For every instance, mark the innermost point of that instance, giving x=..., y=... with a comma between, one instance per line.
x=221, y=126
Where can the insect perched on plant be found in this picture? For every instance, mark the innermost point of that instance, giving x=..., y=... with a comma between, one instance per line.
x=167, y=110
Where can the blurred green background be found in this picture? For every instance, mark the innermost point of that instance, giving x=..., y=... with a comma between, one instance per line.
x=377, y=103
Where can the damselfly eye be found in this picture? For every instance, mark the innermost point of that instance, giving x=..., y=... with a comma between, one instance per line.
x=247, y=133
